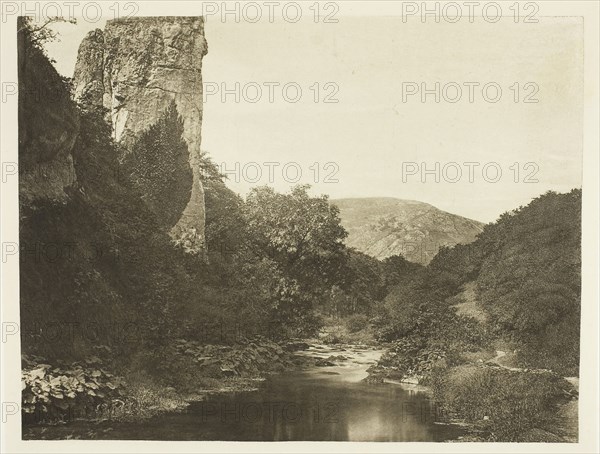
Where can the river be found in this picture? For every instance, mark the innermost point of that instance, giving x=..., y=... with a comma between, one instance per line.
x=330, y=403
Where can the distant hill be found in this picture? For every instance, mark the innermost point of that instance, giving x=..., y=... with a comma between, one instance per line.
x=385, y=226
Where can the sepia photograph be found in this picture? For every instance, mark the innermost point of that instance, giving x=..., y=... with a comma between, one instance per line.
x=301, y=222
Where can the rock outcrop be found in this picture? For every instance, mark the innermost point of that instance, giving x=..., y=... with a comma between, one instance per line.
x=135, y=69
x=382, y=227
x=48, y=128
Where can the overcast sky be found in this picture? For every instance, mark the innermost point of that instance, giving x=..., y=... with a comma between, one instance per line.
x=371, y=133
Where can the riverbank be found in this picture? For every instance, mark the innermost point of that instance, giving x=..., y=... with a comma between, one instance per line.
x=184, y=372
x=487, y=401
x=324, y=398
x=181, y=373
x=485, y=393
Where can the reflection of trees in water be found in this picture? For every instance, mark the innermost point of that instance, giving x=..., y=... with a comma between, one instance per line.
x=302, y=407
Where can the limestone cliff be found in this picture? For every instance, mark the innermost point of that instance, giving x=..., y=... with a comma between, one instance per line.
x=136, y=68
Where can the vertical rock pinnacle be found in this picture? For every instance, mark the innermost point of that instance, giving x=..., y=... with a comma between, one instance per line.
x=135, y=69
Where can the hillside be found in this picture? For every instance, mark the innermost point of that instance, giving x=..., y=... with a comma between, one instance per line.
x=385, y=226
x=493, y=326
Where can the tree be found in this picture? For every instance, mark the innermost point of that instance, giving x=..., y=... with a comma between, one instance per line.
x=225, y=228
x=302, y=234
x=38, y=34
x=303, y=238
x=158, y=165
x=394, y=268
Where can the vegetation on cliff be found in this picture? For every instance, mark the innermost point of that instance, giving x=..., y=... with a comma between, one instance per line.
x=158, y=167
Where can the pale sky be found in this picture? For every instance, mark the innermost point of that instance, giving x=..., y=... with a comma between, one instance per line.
x=371, y=132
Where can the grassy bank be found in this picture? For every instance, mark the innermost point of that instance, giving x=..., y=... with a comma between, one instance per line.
x=503, y=405
x=483, y=391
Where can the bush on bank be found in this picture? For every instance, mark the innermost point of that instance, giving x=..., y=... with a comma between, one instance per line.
x=505, y=404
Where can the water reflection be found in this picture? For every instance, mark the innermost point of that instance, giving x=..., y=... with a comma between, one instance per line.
x=309, y=407
x=323, y=404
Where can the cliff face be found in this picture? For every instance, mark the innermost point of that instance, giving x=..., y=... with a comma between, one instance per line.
x=136, y=68
x=48, y=128
x=382, y=227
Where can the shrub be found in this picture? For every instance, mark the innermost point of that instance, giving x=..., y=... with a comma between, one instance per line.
x=336, y=334
x=508, y=403
x=357, y=322
x=51, y=393
x=144, y=399
x=410, y=357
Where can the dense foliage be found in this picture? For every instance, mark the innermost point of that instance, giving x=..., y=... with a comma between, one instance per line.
x=99, y=267
x=301, y=234
x=526, y=268
x=530, y=279
x=225, y=228
x=514, y=292
x=158, y=165
x=365, y=282
x=66, y=391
